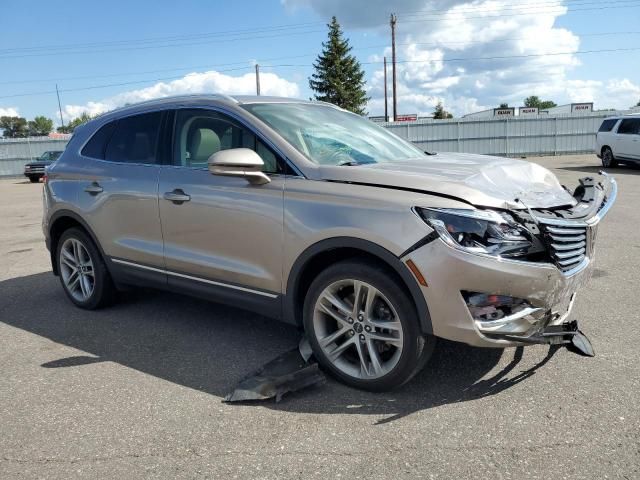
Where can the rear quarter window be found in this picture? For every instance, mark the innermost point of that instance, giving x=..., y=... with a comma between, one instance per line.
x=608, y=125
x=97, y=145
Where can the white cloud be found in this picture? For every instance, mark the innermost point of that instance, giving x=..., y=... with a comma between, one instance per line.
x=8, y=112
x=432, y=34
x=615, y=93
x=204, y=82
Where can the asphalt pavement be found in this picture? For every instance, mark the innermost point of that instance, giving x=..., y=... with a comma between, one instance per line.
x=135, y=390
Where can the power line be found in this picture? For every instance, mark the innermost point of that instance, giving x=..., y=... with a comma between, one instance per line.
x=472, y=59
x=184, y=40
x=454, y=16
x=520, y=6
x=445, y=60
x=147, y=47
x=368, y=47
x=165, y=38
x=93, y=87
x=186, y=37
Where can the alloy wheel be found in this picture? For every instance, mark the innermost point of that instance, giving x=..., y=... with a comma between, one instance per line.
x=607, y=158
x=358, y=329
x=76, y=269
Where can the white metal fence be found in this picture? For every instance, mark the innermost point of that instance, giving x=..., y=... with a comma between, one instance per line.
x=15, y=152
x=512, y=137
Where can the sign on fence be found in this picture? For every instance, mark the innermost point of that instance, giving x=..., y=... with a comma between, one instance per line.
x=504, y=112
x=581, y=107
x=528, y=111
x=411, y=117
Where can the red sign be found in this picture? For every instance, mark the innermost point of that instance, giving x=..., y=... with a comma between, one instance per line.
x=412, y=117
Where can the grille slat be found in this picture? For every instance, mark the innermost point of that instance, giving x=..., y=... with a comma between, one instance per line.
x=565, y=231
x=567, y=244
x=571, y=261
x=568, y=254
x=572, y=238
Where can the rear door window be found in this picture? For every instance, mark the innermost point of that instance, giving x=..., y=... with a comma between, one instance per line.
x=135, y=139
x=608, y=125
x=629, y=126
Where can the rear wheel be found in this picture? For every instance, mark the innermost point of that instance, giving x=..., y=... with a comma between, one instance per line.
x=83, y=274
x=608, y=160
x=363, y=327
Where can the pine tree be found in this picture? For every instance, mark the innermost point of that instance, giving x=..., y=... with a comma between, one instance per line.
x=440, y=113
x=338, y=76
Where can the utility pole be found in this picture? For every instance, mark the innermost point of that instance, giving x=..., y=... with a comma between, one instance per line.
x=393, y=65
x=386, y=112
x=59, y=107
x=257, y=79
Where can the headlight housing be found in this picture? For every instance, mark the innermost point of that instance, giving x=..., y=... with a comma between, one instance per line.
x=487, y=232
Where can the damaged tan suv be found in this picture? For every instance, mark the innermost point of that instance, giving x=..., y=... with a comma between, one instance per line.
x=307, y=213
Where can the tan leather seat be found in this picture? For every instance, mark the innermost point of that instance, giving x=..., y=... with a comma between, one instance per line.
x=204, y=143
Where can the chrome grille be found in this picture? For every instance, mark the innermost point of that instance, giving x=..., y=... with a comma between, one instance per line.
x=568, y=245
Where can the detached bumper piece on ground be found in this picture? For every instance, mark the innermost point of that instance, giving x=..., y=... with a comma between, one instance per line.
x=289, y=372
x=567, y=334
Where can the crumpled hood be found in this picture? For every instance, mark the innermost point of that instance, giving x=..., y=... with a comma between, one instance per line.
x=481, y=180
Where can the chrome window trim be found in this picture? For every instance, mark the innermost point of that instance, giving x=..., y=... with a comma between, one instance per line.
x=197, y=279
x=117, y=119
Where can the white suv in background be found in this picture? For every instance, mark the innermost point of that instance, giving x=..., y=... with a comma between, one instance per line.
x=618, y=140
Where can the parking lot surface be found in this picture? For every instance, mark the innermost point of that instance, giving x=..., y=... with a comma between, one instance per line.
x=135, y=390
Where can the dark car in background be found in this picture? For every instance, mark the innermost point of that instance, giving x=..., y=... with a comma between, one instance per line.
x=34, y=171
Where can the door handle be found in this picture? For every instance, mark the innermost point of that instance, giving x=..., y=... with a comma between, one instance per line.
x=177, y=196
x=93, y=189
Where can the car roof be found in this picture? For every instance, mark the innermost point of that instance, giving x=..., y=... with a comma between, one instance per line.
x=626, y=115
x=194, y=100
x=209, y=98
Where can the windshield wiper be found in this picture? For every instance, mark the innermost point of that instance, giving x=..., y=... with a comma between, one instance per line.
x=349, y=163
x=430, y=153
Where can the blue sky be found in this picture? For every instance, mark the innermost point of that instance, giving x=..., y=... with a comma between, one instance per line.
x=88, y=44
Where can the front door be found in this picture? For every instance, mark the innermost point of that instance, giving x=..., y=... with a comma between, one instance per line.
x=222, y=235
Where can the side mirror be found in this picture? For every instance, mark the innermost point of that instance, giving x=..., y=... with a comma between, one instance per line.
x=239, y=162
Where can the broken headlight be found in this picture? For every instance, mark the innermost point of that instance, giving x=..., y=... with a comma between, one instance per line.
x=486, y=232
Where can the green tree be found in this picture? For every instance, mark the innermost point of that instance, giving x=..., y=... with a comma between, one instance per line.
x=638, y=104
x=534, y=101
x=504, y=105
x=70, y=127
x=440, y=113
x=338, y=76
x=13, y=127
x=40, y=126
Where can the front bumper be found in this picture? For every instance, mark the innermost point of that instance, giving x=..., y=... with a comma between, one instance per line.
x=31, y=171
x=548, y=290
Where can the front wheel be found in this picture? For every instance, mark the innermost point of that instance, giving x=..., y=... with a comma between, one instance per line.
x=363, y=327
x=34, y=178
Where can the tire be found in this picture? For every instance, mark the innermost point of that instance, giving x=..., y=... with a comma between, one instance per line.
x=608, y=160
x=93, y=287
x=34, y=178
x=400, y=350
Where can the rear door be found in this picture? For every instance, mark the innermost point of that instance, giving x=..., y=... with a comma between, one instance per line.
x=119, y=194
x=222, y=235
x=628, y=139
